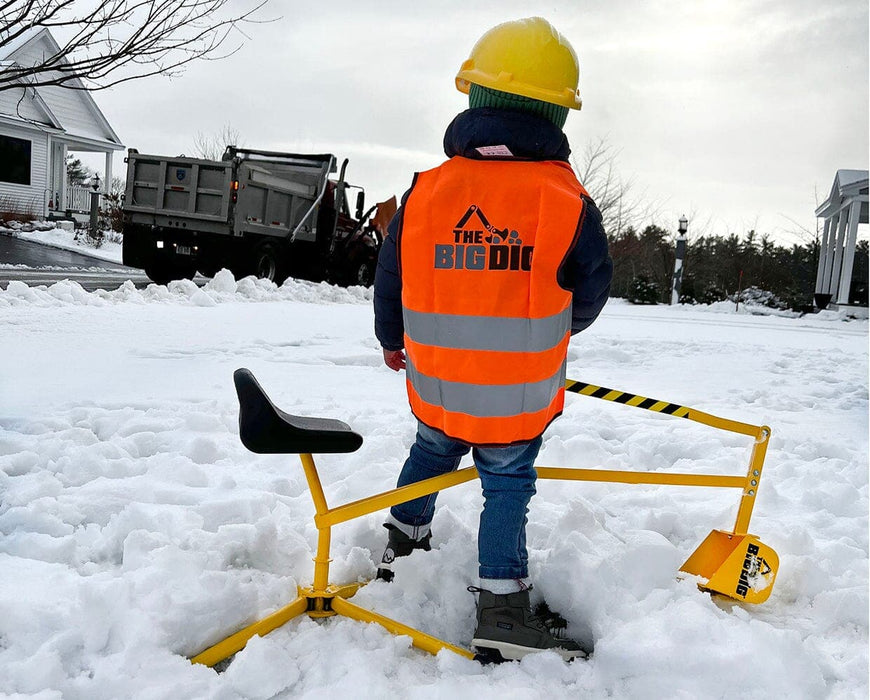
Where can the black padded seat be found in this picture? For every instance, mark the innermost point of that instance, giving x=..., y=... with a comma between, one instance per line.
x=266, y=429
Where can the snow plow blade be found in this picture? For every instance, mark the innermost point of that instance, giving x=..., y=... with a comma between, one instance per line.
x=736, y=566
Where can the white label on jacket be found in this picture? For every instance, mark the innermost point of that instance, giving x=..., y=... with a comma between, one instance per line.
x=500, y=150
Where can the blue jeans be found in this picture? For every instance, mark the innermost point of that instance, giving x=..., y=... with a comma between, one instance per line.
x=507, y=475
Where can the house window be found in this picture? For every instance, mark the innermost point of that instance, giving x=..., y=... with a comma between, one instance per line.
x=14, y=160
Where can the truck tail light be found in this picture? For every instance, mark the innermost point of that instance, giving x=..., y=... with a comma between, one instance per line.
x=234, y=189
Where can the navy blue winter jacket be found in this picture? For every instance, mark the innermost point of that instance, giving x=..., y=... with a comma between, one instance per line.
x=588, y=269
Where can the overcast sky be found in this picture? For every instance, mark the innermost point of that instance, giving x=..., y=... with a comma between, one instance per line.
x=737, y=113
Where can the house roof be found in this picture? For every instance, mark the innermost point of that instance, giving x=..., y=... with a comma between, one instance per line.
x=74, y=112
x=848, y=185
x=13, y=46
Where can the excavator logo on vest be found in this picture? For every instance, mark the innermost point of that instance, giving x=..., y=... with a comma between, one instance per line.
x=481, y=246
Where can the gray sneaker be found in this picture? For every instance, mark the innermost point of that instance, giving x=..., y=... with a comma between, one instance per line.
x=507, y=629
x=399, y=545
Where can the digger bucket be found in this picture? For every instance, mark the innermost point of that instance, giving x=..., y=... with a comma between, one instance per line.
x=737, y=566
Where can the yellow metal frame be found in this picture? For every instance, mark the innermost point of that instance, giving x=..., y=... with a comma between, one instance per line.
x=748, y=484
x=322, y=599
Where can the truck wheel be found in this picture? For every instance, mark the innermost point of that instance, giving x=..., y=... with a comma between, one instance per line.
x=363, y=273
x=266, y=264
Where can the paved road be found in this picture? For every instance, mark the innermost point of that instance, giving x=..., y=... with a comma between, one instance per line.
x=37, y=264
x=17, y=251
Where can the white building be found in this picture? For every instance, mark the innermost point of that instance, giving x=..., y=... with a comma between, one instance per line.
x=844, y=209
x=39, y=127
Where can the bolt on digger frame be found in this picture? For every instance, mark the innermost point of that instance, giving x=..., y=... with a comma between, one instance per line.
x=731, y=563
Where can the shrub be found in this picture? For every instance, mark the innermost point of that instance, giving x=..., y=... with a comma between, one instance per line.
x=753, y=296
x=688, y=290
x=797, y=298
x=712, y=294
x=642, y=290
x=112, y=215
x=11, y=210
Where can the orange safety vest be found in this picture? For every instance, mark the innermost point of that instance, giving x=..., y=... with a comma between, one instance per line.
x=486, y=323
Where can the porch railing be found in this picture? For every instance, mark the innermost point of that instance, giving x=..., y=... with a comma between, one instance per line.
x=78, y=198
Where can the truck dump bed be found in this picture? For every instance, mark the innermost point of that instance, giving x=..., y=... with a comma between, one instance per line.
x=259, y=192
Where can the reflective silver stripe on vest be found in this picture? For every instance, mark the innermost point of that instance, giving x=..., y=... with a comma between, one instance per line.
x=487, y=400
x=487, y=332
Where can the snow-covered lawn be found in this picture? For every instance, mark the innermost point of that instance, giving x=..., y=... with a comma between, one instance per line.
x=135, y=529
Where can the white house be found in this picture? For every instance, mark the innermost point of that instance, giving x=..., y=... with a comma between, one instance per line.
x=844, y=209
x=38, y=127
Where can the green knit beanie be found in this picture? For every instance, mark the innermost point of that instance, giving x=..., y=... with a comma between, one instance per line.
x=479, y=96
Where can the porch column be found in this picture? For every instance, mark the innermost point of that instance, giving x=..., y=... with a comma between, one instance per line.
x=63, y=181
x=48, y=194
x=830, y=246
x=842, y=219
x=823, y=256
x=849, y=252
x=107, y=181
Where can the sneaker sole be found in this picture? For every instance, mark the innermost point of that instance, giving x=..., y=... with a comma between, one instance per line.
x=515, y=652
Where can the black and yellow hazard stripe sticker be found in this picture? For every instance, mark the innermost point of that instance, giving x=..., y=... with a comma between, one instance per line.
x=623, y=397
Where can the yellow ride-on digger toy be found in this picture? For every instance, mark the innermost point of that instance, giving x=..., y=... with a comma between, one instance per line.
x=729, y=563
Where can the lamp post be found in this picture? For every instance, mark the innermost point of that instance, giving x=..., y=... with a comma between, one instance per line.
x=95, y=206
x=678, y=259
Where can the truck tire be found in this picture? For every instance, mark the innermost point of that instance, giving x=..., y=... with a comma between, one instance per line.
x=266, y=263
x=363, y=273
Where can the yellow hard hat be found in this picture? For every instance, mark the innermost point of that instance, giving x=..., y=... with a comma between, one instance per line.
x=525, y=57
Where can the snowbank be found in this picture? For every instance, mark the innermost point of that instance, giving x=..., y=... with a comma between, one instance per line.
x=223, y=288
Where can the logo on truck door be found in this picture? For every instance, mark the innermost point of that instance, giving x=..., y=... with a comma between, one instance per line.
x=180, y=174
x=478, y=245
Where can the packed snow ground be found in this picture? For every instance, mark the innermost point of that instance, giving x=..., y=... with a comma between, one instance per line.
x=135, y=529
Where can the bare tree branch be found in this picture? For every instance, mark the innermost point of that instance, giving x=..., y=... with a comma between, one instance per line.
x=212, y=146
x=802, y=233
x=620, y=207
x=107, y=42
x=700, y=225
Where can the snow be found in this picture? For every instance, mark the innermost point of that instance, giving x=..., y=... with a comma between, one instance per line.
x=135, y=529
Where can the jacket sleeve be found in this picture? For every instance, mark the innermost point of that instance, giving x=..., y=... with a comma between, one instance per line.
x=389, y=326
x=588, y=269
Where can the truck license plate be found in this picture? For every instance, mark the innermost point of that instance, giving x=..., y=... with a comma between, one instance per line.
x=183, y=250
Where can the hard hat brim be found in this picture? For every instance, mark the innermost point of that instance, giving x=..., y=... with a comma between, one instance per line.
x=506, y=83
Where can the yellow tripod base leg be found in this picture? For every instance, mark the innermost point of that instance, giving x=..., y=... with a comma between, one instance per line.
x=738, y=566
x=419, y=639
x=314, y=603
x=236, y=642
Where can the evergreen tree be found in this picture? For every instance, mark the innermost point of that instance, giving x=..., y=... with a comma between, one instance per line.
x=779, y=275
x=76, y=171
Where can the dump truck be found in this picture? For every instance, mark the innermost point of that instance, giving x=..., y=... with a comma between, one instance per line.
x=255, y=212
